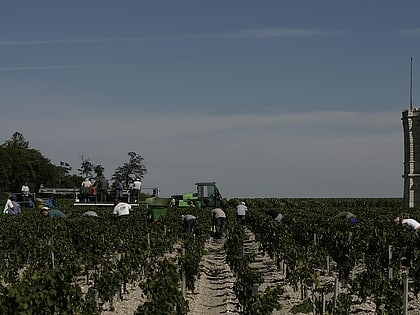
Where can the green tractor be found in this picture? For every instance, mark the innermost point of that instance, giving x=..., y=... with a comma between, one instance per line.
x=206, y=196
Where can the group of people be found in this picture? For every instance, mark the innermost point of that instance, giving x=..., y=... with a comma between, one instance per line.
x=12, y=207
x=12, y=201
x=218, y=220
x=99, y=189
x=409, y=223
x=189, y=221
x=122, y=211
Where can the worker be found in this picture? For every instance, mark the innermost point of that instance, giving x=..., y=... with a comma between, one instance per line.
x=350, y=217
x=276, y=215
x=90, y=214
x=12, y=207
x=119, y=189
x=86, y=189
x=136, y=189
x=25, y=193
x=219, y=221
x=102, y=188
x=410, y=223
x=188, y=221
x=51, y=213
x=241, y=210
x=121, y=209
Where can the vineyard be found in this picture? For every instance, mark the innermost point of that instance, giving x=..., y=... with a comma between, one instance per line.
x=313, y=262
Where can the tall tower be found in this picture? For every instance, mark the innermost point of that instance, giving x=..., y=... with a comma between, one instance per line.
x=411, y=126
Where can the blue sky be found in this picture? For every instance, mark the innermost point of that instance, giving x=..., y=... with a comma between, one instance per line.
x=294, y=98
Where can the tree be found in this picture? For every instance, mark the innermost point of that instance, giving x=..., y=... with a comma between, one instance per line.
x=20, y=164
x=17, y=141
x=99, y=170
x=86, y=167
x=132, y=169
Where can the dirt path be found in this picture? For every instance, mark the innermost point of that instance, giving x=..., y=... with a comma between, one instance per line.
x=214, y=289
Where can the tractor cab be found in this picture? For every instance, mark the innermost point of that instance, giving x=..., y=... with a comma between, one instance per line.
x=208, y=194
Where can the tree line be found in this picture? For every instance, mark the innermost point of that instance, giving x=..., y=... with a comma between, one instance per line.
x=21, y=164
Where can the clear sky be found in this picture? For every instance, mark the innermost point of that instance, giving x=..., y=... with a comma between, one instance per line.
x=296, y=98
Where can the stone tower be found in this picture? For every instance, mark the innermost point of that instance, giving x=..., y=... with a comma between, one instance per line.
x=411, y=126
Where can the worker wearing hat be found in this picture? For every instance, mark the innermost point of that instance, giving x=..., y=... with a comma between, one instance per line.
x=188, y=221
x=50, y=213
x=241, y=210
x=12, y=207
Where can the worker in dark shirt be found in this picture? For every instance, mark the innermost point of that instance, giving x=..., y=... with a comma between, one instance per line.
x=51, y=213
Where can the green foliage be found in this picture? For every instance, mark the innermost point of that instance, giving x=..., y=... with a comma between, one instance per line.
x=162, y=289
x=20, y=164
x=304, y=307
x=110, y=254
x=86, y=167
x=364, y=245
x=132, y=169
x=44, y=291
x=265, y=302
x=344, y=303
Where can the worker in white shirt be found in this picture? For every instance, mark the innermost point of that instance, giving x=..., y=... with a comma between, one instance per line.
x=410, y=223
x=121, y=209
x=241, y=210
x=136, y=189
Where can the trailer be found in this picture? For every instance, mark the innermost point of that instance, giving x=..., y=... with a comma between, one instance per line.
x=93, y=199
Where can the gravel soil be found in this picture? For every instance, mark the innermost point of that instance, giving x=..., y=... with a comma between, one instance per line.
x=214, y=294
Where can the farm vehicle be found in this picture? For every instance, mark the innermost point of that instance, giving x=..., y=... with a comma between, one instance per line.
x=207, y=195
x=93, y=199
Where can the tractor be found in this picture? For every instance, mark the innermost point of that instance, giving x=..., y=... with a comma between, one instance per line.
x=206, y=196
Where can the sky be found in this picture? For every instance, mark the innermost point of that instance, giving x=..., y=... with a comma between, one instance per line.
x=285, y=99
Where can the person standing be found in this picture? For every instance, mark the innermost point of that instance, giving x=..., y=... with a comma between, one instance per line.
x=102, y=188
x=219, y=221
x=86, y=187
x=119, y=187
x=121, y=209
x=189, y=221
x=241, y=210
x=12, y=207
x=136, y=190
x=25, y=192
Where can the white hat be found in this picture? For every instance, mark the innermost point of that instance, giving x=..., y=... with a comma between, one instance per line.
x=45, y=208
x=243, y=203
